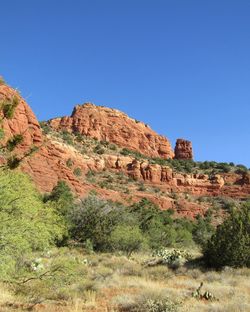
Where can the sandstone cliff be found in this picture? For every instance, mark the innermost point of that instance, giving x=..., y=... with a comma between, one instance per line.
x=114, y=126
x=183, y=149
x=23, y=122
x=50, y=163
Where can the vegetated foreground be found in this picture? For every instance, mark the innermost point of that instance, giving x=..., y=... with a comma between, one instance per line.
x=105, y=225
x=109, y=282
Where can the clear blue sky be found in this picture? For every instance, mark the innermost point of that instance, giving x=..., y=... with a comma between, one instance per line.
x=182, y=66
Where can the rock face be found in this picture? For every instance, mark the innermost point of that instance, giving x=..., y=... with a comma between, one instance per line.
x=183, y=149
x=23, y=122
x=49, y=164
x=116, y=127
x=45, y=166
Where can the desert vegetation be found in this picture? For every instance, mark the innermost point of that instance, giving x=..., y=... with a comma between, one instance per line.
x=62, y=254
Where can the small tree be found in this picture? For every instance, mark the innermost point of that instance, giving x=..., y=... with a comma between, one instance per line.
x=202, y=231
x=230, y=245
x=26, y=223
x=94, y=219
x=127, y=239
x=62, y=196
x=77, y=172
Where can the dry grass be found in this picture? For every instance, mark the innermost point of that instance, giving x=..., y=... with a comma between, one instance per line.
x=112, y=283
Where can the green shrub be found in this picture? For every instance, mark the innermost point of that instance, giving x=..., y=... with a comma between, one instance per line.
x=99, y=149
x=125, y=152
x=69, y=163
x=77, y=172
x=26, y=223
x=13, y=162
x=141, y=187
x=160, y=235
x=79, y=137
x=94, y=219
x=62, y=196
x=113, y=147
x=8, y=106
x=202, y=231
x=224, y=167
x=49, y=277
x=67, y=137
x=241, y=169
x=45, y=127
x=13, y=142
x=159, y=227
x=230, y=245
x=183, y=236
x=127, y=238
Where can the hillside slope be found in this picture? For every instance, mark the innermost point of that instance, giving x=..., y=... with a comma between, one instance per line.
x=104, y=150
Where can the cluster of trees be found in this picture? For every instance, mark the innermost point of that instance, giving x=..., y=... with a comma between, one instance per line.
x=31, y=223
x=109, y=226
x=106, y=226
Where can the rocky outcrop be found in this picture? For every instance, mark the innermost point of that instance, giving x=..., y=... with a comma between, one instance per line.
x=165, y=176
x=45, y=166
x=49, y=164
x=183, y=149
x=24, y=121
x=116, y=127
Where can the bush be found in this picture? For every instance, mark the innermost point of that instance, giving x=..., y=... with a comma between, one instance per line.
x=113, y=147
x=13, y=142
x=77, y=172
x=45, y=127
x=160, y=235
x=69, y=163
x=230, y=245
x=241, y=169
x=159, y=306
x=26, y=223
x=99, y=149
x=49, y=277
x=127, y=238
x=173, y=258
x=94, y=219
x=125, y=152
x=67, y=137
x=141, y=187
x=8, y=106
x=63, y=197
x=159, y=227
x=202, y=231
x=147, y=301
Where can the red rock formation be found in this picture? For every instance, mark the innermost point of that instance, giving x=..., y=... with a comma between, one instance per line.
x=183, y=149
x=49, y=164
x=114, y=126
x=23, y=122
